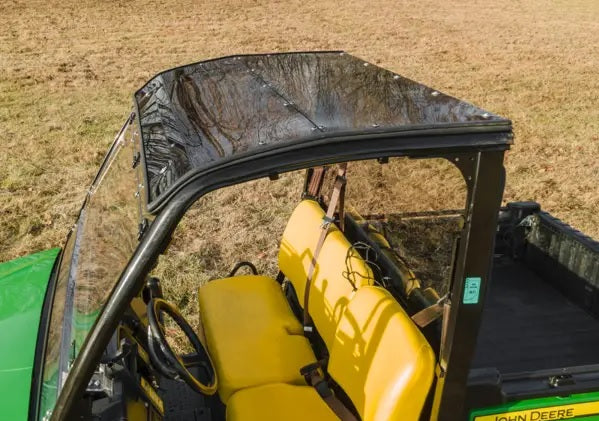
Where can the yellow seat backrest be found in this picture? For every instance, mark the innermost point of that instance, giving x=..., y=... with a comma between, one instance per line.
x=338, y=272
x=380, y=358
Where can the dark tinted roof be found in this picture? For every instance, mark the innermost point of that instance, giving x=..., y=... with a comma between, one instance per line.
x=197, y=116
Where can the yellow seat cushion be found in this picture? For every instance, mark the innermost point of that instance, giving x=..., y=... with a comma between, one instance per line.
x=251, y=334
x=278, y=402
x=337, y=273
x=380, y=358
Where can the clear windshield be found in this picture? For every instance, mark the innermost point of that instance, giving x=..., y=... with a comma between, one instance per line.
x=96, y=253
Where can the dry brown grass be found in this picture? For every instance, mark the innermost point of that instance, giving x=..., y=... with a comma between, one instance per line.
x=68, y=69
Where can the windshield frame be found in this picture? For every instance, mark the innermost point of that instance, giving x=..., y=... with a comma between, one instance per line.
x=68, y=256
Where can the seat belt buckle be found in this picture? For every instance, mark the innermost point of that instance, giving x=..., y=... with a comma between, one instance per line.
x=311, y=374
x=309, y=369
x=342, y=179
x=326, y=221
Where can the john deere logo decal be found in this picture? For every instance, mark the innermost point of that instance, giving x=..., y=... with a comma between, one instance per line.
x=587, y=411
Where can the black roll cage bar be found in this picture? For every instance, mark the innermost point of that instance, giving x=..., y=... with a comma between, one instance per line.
x=478, y=156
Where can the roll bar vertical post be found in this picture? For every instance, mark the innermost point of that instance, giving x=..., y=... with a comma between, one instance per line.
x=485, y=176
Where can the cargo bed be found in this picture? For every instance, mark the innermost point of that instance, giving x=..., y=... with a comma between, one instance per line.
x=539, y=332
x=528, y=325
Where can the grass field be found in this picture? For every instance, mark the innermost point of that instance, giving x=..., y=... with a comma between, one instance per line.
x=68, y=70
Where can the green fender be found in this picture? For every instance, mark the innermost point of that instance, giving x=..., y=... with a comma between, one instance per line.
x=23, y=284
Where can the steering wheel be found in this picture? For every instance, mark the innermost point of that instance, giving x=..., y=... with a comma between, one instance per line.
x=168, y=363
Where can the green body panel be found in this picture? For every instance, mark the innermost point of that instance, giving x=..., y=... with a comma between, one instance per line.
x=23, y=284
x=540, y=403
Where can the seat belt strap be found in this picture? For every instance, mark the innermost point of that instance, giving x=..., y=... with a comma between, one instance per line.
x=431, y=313
x=338, y=408
x=314, y=379
x=336, y=197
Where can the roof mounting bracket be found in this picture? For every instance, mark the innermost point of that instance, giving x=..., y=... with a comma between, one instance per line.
x=136, y=159
x=143, y=227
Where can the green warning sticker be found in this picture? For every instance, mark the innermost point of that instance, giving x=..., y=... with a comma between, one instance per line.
x=471, y=290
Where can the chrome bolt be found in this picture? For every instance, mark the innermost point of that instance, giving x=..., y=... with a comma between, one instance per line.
x=435, y=93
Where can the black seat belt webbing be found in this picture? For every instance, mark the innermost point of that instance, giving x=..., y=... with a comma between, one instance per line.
x=314, y=379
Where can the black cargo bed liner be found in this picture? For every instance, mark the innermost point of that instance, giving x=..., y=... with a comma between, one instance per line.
x=528, y=325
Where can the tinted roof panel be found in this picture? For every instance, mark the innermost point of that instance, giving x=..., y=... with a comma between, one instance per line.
x=342, y=93
x=197, y=116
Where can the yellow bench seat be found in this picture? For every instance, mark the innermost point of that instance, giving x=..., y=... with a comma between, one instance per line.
x=251, y=333
x=379, y=358
x=276, y=402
